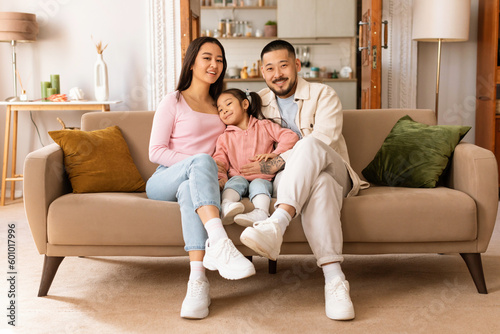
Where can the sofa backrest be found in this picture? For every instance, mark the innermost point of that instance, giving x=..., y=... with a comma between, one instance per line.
x=364, y=131
x=135, y=127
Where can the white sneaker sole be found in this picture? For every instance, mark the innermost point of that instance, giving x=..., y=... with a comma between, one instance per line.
x=195, y=314
x=248, y=238
x=346, y=315
x=243, y=221
x=230, y=274
x=228, y=218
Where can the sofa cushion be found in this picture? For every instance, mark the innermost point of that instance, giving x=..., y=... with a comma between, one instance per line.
x=98, y=160
x=414, y=154
x=377, y=214
x=397, y=214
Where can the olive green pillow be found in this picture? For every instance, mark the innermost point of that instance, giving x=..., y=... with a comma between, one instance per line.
x=414, y=154
x=98, y=161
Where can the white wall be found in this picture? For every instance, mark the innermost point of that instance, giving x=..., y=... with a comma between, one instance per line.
x=457, y=89
x=64, y=47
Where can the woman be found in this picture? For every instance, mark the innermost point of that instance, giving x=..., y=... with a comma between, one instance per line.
x=185, y=129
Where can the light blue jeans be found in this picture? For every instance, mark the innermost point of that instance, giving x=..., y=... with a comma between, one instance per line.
x=191, y=182
x=251, y=188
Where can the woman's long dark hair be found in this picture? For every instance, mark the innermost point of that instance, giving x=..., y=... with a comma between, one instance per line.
x=187, y=74
x=255, y=107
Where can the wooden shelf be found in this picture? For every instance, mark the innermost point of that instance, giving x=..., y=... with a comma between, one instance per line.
x=245, y=37
x=308, y=79
x=238, y=7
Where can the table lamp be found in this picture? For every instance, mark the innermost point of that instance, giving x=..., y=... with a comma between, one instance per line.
x=441, y=21
x=17, y=28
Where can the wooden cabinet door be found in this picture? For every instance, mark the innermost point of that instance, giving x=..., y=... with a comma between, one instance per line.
x=190, y=23
x=296, y=18
x=371, y=54
x=335, y=18
x=487, y=48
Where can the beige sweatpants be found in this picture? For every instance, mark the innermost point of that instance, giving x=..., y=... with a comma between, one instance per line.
x=315, y=181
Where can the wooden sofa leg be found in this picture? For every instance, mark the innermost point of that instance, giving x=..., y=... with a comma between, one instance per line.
x=475, y=266
x=50, y=266
x=272, y=266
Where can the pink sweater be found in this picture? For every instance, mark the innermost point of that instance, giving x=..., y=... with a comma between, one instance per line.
x=179, y=132
x=235, y=146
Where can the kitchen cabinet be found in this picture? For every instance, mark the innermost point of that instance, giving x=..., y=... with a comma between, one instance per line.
x=257, y=16
x=488, y=77
x=316, y=18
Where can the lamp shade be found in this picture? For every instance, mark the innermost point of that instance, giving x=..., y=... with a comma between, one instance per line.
x=20, y=27
x=447, y=20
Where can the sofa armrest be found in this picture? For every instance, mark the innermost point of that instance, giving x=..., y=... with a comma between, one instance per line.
x=474, y=171
x=44, y=181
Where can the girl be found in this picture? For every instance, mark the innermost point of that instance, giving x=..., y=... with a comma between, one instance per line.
x=185, y=129
x=248, y=137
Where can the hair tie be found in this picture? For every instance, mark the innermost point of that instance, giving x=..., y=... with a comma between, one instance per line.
x=249, y=98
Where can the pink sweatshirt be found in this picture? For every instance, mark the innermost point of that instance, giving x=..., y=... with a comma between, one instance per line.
x=235, y=146
x=179, y=132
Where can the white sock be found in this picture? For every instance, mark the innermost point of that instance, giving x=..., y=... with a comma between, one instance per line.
x=261, y=202
x=197, y=270
x=283, y=218
x=215, y=230
x=230, y=195
x=331, y=271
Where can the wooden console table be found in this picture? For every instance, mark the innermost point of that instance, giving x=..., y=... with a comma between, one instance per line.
x=14, y=107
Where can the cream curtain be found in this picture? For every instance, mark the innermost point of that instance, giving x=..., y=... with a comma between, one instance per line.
x=399, y=61
x=165, y=51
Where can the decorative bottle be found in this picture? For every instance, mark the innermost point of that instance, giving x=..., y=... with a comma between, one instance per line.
x=101, y=79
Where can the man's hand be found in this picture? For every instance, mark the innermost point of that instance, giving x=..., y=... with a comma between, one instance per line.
x=220, y=167
x=265, y=157
x=263, y=167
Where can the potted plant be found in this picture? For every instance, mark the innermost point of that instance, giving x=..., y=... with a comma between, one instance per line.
x=270, y=29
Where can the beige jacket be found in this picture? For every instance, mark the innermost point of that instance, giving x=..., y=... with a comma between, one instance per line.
x=320, y=115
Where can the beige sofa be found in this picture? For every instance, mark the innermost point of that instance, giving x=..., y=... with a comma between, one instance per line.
x=458, y=218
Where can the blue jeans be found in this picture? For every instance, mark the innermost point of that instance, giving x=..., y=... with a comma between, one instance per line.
x=191, y=182
x=251, y=188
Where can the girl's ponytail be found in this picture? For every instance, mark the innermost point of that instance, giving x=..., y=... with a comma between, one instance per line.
x=255, y=108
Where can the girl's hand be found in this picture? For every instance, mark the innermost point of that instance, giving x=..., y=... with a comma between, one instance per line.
x=220, y=167
x=222, y=183
x=265, y=157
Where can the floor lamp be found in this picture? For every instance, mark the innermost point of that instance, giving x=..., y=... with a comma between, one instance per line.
x=17, y=28
x=440, y=21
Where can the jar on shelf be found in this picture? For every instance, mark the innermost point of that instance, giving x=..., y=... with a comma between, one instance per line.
x=239, y=28
x=314, y=72
x=222, y=27
x=229, y=28
x=248, y=29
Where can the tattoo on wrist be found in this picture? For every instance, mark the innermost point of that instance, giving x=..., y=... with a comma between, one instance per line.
x=272, y=166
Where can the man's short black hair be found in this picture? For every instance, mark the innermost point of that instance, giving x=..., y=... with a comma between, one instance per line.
x=278, y=44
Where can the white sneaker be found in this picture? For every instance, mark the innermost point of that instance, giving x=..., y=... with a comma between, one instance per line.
x=197, y=300
x=229, y=210
x=338, y=304
x=224, y=257
x=247, y=219
x=264, y=237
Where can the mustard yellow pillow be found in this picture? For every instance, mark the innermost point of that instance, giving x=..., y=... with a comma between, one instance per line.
x=98, y=161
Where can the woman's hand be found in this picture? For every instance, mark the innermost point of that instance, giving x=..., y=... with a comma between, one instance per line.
x=265, y=157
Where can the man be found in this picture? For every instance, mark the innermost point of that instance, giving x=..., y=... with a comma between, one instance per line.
x=316, y=176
